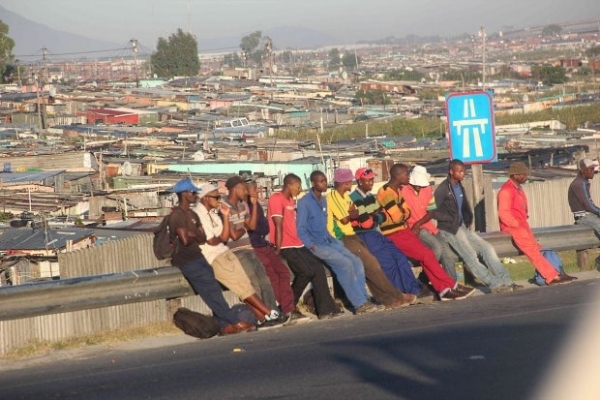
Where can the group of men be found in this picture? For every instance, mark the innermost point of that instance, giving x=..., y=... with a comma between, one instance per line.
x=365, y=239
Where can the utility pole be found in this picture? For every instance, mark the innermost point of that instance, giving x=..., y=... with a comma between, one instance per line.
x=269, y=50
x=134, y=51
x=483, y=36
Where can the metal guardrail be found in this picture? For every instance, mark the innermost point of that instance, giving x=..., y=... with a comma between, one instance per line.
x=74, y=294
x=29, y=300
x=558, y=238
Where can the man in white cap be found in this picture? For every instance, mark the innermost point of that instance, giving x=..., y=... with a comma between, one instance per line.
x=227, y=267
x=513, y=214
x=418, y=194
x=585, y=212
x=188, y=257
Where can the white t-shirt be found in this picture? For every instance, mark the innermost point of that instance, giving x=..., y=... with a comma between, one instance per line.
x=213, y=226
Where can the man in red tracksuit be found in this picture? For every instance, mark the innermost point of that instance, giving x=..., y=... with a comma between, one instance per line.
x=512, y=212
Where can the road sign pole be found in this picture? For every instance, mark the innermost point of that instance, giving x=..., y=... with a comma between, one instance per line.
x=478, y=197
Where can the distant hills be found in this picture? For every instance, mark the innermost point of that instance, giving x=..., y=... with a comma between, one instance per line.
x=30, y=37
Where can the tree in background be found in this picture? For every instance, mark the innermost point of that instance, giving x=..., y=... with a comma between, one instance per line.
x=176, y=56
x=549, y=74
x=6, y=46
x=334, y=59
x=233, y=60
x=372, y=97
x=251, y=46
x=551, y=30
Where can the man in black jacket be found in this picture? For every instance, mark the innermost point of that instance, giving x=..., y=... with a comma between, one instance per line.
x=454, y=217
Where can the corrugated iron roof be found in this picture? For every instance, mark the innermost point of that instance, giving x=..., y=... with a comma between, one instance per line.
x=40, y=239
x=24, y=177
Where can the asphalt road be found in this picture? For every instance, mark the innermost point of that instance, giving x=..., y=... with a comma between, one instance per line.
x=485, y=347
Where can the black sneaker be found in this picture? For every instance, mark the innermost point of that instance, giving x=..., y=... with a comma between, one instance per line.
x=467, y=291
x=269, y=324
x=295, y=317
x=453, y=295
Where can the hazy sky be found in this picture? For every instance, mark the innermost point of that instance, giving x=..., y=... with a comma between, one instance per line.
x=120, y=20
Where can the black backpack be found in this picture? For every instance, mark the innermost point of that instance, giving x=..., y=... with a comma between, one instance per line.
x=195, y=324
x=162, y=244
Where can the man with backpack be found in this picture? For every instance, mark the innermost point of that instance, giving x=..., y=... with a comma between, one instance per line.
x=513, y=214
x=187, y=235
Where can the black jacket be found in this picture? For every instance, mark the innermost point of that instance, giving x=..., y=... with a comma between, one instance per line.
x=446, y=212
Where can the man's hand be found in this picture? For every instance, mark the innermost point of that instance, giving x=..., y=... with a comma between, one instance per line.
x=352, y=212
x=224, y=209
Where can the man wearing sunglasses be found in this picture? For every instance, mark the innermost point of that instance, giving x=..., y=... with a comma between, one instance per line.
x=228, y=268
x=188, y=257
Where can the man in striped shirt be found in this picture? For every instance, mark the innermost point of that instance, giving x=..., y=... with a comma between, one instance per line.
x=395, y=227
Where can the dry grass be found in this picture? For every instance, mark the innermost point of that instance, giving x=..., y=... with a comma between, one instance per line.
x=38, y=348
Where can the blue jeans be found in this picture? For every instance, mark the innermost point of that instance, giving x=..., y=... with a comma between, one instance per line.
x=591, y=220
x=441, y=249
x=347, y=268
x=201, y=278
x=469, y=246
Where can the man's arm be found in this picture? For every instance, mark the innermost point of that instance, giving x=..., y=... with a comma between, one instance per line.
x=187, y=236
x=581, y=192
x=278, y=222
x=395, y=208
x=504, y=209
x=302, y=215
x=440, y=213
x=251, y=221
x=236, y=233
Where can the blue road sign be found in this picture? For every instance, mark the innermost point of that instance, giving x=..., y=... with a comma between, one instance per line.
x=471, y=130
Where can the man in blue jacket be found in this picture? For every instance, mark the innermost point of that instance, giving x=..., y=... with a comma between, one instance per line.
x=311, y=222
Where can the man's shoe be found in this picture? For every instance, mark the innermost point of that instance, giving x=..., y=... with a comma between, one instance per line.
x=246, y=326
x=269, y=324
x=295, y=317
x=405, y=301
x=502, y=289
x=237, y=328
x=453, y=295
x=573, y=278
x=561, y=280
x=368, y=307
x=464, y=290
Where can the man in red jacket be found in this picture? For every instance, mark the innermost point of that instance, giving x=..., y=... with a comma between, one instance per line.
x=512, y=211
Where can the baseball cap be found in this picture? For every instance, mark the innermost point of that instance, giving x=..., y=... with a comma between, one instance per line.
x=342, y=175
x=364, y=173
x=185, y=185
x=206, y=189
x=586, y=163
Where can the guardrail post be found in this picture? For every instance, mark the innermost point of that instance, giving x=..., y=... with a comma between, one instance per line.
x=172, y=306
x=582, y=259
